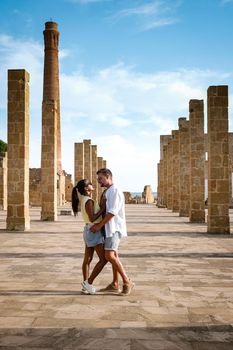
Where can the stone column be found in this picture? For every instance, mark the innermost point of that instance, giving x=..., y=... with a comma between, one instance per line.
x=158, y=185
x=49, y=161
x=206, y=168
x=165, y=175
x=184, y=167
x=197, y=161
x=147, y=195
x=69, y=187
x=104, y=163
x=94, y=170
x=35, y=187
x=218, y=160
x=51, y=78
x=78, y=162
x=163, y=170
x=164, y=139
x=169, y=175
x=61, y=188
x=176, y=172
x=230, y=142
x=3, y=181
x=99, y=162
x=100, y=165
x=87, y=160
x=18, y=151
x=161, y=181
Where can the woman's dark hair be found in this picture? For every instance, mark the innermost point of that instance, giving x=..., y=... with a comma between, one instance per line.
x=80, y=187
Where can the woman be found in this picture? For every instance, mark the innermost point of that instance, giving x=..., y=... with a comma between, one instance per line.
x=91, y=213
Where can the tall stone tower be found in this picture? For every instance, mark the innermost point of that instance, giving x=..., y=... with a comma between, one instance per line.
x=51, y=78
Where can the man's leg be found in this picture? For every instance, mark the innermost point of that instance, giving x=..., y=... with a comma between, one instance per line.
x=111, y=254
x=115, y=275
x=112, y=257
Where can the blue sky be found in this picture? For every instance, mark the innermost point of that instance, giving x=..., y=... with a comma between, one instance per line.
x=128, y=69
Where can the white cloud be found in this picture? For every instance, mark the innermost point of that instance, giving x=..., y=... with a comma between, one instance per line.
x=122, y=110
x=128, y=162
x=150, y=14
x=225, y=2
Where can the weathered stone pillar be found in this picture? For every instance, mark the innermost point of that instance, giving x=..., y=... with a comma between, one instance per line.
x=51, y=78
x=165, y=175
x=218, y=160
x=161, y=181
x=69, y=187
x=148, y=195
x=230, y=142
x=164, y=139
x=61, y=188
x=100, y=165
x=49, y=161
x=35, y=187
x=197, y=161
x=184, y=167
x=206, y=168
x=78, y=162
x=3, y=181
x=169, y=175
x=176, y=172
x=94, y=170
x=87, y=160
x=104, y=163
x=18, y=151
x=158, y=184
x=100, y=162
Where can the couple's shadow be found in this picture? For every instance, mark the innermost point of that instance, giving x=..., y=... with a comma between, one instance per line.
x=115, y=294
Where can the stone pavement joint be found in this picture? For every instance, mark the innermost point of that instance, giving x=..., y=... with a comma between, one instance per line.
x=183, y=298
x=184, y=338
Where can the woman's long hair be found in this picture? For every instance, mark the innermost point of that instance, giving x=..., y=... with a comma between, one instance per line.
x=80, y=187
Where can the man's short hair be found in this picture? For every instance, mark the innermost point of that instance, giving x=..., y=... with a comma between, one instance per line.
x=105, y=172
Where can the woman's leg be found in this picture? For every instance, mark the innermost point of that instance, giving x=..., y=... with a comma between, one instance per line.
x=100, y=264
x=88, y=256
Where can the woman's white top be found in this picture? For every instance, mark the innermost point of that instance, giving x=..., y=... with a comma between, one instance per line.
x=83, y=201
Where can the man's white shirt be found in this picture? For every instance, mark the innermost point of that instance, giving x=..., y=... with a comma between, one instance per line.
x=115, y=204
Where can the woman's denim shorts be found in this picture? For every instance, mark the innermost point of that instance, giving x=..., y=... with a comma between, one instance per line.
x=92, y=239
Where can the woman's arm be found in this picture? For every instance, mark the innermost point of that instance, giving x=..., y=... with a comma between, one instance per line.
x=89, y=207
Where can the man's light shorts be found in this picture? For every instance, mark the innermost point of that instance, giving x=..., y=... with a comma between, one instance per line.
x=112, y=243
x=92, y=239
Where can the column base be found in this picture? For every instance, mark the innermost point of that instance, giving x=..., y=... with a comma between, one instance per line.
x=48, y=216
x=16, y=224
x=218, y=224
x=197, y=216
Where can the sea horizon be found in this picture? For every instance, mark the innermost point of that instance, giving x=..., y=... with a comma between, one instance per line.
x=134, y=194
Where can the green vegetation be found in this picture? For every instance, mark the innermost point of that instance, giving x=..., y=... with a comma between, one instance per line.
x=3, y=146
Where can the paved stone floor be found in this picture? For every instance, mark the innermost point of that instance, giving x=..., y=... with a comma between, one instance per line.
x=183, y=298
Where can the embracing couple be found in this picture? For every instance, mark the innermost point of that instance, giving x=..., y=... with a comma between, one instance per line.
x=104, y=226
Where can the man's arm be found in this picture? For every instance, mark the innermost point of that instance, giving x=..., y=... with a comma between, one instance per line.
x=97, y=227
x=89, y=206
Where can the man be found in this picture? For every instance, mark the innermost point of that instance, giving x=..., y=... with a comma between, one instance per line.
x=115, y=228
